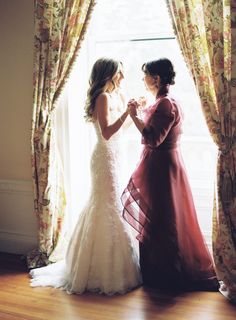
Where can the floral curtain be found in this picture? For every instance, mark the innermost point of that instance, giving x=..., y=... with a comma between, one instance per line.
x=206, y=32
x=60, y=27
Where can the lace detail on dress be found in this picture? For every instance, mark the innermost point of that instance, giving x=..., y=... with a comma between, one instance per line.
x=100, y=256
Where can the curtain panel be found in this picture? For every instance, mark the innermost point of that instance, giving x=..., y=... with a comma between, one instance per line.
x=60, y=27
x=206, y=32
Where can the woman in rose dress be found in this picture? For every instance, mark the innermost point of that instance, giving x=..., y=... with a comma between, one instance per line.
x=158, y=201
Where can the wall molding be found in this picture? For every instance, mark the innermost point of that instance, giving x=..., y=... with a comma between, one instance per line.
x=18, y=225
x=13, y=242
x=24, y=187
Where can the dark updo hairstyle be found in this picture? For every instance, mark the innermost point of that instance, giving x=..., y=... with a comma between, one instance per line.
x=104, y=69
x=163, y=68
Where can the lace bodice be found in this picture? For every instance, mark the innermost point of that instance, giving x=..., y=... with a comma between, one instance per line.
x=107, y=160
x=115, y=111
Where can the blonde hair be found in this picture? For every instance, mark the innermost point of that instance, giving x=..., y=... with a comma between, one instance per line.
x=103, y=71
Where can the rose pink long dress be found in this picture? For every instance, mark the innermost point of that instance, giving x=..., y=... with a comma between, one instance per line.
x=158, y=203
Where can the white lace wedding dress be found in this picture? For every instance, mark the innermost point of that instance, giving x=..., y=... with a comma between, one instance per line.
x=101, y=256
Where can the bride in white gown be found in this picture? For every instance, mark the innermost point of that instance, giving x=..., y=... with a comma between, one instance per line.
x=101, y=256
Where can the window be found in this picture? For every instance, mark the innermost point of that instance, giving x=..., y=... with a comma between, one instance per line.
x=135, y=32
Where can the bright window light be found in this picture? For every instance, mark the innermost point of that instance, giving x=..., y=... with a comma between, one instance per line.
x=135, y=32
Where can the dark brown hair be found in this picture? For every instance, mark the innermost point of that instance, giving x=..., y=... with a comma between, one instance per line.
x=163, y=68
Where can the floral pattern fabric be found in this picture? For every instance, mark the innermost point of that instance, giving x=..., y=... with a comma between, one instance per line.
x=206, y=32
x=60, y=27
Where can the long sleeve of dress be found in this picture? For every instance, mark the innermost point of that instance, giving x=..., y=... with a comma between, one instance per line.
x=158, y=204
x=159, y=125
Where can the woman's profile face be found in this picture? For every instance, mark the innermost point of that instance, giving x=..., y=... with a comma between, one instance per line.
x=149, y=81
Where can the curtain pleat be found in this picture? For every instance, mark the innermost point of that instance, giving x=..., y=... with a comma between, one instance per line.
x=60, y=27
x=206, y=32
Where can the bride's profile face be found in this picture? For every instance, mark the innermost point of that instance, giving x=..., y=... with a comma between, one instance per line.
x=119, y=76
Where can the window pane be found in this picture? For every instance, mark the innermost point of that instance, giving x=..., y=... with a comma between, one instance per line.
x=136, y=17
x=135, y=32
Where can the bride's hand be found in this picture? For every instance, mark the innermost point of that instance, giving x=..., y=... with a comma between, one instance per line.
x=133, y=106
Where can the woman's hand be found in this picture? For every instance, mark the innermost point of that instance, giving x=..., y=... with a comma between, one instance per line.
x=142, y=101
x=133, y=106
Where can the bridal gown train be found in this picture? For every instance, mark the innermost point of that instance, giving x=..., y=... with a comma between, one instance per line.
x=101, y=256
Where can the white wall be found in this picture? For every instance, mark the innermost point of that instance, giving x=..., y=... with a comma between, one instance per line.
x=18, y=226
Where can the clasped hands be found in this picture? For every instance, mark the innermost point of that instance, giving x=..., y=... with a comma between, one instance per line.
x=134, y=106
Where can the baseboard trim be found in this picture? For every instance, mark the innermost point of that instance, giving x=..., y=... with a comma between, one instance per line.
x=13, y=242
x=18, y=187
x=18, y=225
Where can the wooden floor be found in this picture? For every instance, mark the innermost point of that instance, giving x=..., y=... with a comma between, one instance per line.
x=19, y=301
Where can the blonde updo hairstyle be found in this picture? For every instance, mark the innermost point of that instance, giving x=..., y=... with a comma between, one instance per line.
x=104, y=69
